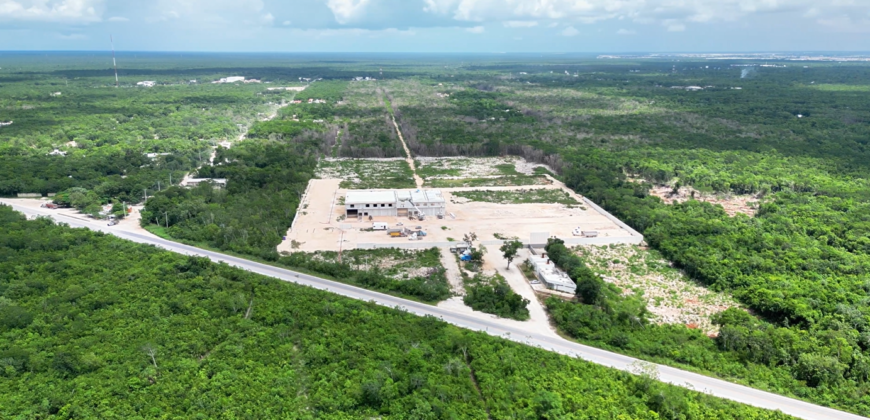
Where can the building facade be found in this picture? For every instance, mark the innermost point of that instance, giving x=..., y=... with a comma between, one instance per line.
x=395, y=203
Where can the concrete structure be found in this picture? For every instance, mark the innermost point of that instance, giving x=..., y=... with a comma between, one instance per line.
x=395, y=203
x=231, y=79
x=539, y=239
x=192, y=182
x=551, y=276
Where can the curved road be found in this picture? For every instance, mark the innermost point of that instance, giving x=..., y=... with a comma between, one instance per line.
x=712, y=386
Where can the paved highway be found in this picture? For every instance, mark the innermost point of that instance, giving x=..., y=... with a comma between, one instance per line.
x=545, y=339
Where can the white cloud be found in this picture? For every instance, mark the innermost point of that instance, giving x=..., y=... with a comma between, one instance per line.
x=69, y=11
x=673, y=14
x=286, y=23
x=217, y=13
x=847, y=24
x=347, y=10
x=352, y=32
x=476, y=30
x=118, y=19
x=625, y=32
x=520, y=24
x=674, y=25
x=570, y=31
x=553, y=25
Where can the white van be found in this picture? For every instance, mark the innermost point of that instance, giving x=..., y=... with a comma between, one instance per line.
x=379, y=226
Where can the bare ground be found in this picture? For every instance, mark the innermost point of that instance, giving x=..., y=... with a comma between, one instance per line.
x=732, y=203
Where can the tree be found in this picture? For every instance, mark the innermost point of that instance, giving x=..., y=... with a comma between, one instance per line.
x=589, y=286
x=469, y=238
x=509, y=250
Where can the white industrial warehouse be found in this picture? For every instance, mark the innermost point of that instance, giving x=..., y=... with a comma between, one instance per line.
x=360, y=203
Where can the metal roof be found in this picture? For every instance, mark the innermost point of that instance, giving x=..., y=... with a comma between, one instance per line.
x=364, y=197
x=550, y=273
x=393, y=196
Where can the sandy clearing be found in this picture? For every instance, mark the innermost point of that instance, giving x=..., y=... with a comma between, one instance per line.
x=452, y=271
x=318, y=222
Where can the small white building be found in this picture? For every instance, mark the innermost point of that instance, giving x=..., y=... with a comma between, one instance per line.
x=552, y=276
x=147, y=83
x=231, y=79
x=193, y=182
x=396, y=203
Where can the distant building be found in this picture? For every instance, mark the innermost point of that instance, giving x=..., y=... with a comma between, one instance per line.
x=147, y=83
x=3, y=124
x=57, y=152
x=552, y=276
x=397, y=203
x=55, y=94
x=694, y=88
x=231, y=79
x=154, y=155
x=192, y=182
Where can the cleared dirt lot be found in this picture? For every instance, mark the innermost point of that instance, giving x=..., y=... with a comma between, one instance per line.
x=318, y=225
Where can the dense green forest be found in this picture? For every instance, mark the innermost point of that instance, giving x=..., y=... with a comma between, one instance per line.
x=92, y=326
x=265, y=183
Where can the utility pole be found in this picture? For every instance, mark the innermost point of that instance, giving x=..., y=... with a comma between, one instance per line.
x=158, y=185
x=170, y=179
x=166, y=214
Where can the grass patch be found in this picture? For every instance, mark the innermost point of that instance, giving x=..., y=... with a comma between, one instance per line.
x=368, y=173
x=537, y=195
x=504, y=181
x=409, y=273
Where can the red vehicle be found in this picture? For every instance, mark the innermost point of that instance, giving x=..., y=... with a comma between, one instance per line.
x=49, y=206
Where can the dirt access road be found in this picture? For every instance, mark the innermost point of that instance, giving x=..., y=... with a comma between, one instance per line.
x=408, y=157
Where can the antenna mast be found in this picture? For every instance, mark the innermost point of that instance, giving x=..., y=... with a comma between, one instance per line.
x=114, y=63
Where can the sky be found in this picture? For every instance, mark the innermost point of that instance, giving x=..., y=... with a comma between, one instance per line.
x=437, y=25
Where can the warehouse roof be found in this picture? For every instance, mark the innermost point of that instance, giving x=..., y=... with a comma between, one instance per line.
x=393, y=196
x=363, y=197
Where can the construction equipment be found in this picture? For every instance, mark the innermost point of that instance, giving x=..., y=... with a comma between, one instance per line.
x=420, y=214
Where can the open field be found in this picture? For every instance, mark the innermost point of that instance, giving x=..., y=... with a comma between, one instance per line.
x=367, y=173
x=320, y=226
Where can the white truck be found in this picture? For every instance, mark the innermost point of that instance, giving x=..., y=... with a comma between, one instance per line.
x=379, y=226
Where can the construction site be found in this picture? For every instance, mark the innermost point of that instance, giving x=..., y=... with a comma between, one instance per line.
x=335, y=219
